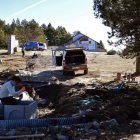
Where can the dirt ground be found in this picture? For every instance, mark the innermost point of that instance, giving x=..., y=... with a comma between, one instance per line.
x=62, y=97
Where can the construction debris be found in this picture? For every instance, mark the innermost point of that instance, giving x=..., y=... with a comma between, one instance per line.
x=116, y=116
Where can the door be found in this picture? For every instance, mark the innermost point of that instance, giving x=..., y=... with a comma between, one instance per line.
x=57, y=57
x=28, y=45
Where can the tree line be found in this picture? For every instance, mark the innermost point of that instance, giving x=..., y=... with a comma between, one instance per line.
x=25, y=31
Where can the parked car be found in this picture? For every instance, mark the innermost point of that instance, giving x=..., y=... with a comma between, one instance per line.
x=42, y=46
x=72, y=59
x=31, y=46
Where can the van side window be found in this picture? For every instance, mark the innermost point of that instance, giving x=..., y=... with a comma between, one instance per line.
x=34, y=43
x=41, y=44
x=28, y=43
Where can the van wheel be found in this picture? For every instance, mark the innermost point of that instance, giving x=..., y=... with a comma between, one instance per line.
x=34, y=49
x=40, y=50
x=86, y=71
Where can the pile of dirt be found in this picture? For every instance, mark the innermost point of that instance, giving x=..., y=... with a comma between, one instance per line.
x=123, y=107
x=40, y=62
x=63, y=97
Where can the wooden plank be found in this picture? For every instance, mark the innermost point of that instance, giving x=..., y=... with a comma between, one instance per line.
x=22, y=136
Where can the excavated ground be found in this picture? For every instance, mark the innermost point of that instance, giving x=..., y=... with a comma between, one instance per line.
x=123, y=106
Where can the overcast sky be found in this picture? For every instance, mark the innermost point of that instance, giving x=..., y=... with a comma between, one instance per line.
x=71, y=14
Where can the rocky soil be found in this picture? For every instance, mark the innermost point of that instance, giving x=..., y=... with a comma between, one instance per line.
x=106, y=114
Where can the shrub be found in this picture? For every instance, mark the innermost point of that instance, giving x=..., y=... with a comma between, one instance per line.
x=111, y=52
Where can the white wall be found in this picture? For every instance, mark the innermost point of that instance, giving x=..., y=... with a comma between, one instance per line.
x=16, y=43
x=11, y=44
x=86, y=45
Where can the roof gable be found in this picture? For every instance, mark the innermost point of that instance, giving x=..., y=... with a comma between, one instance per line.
x=80, y=36
x=75, y=38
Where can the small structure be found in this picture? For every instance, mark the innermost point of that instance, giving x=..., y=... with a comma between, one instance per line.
x=26, y=111
x=13, y=44
x=83, y=41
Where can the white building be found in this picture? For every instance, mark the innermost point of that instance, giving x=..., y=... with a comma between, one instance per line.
x=12, y=44
x=84, y=41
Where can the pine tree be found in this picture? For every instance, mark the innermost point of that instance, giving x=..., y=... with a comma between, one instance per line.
x=101, y=45
x=50, y=33
x=25, y=31
x=123, y=18
x=2, y=24
x=3, y=39
x=76, y=33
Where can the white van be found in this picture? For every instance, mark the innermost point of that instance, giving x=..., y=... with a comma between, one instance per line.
x=42, y=46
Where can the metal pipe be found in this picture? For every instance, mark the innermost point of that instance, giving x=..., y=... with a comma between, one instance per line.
x=40, y=82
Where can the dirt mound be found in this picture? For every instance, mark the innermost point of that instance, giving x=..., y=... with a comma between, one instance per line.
x=114, y=105
x=40, y=61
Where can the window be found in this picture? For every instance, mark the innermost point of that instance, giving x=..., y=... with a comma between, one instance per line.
x=84, y=39
x=89, y=42
x=34, y=43
x=79, y=42
x=40, y=44
x=28, y=43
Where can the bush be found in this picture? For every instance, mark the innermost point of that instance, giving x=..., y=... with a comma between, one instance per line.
x=111, y=52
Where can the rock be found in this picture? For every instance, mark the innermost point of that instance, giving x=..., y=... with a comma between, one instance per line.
x=11, y=133
x=53, y=80
x=89, y=125
x=112, y=122
x=50, y=105
x=53, y=130
x=36, y=97
x=31, y=91
x=96, y=125
x=19, y=131
x=13, y=72
x=25, y=73
x=74, y=126
x=61, y=137
x=93, y=131
x=136, y=122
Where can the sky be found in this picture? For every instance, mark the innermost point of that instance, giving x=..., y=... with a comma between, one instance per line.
x=74, y=15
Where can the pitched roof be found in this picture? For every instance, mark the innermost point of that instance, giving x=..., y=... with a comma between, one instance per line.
x=80, y=36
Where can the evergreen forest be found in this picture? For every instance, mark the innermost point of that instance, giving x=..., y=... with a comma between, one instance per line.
x=25, y=31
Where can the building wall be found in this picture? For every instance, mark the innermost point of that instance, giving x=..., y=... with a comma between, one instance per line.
x=11, y=44
x=16, y=43
x=86, y=45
